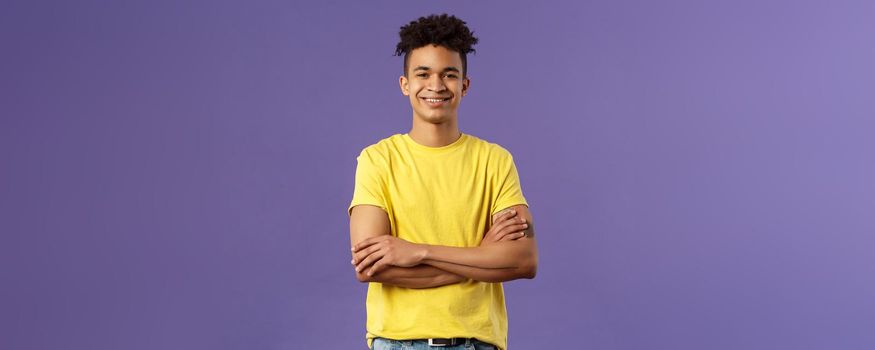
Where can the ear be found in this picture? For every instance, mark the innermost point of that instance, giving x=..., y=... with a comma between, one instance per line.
x=465, y=83
x=403, y=83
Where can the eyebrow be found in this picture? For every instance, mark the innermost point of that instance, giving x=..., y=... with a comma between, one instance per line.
x=448, y=69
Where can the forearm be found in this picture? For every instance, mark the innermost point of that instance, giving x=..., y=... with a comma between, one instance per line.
x=500, y=257
x=486, y=275
x=510, y=254
x=420, y=276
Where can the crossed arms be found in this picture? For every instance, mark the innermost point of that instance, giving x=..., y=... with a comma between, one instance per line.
x=507, y=252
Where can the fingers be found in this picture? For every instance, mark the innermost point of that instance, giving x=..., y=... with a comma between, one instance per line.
x=509, y=222
x=362, y=254
x=369, y=260
x=511, y=230
x=495, y=233
x=513, y=236
x=504, y=215
x=368, y=242
x=378, y=266
x=504, y=220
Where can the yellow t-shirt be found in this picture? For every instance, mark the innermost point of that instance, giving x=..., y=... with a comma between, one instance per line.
x=439, y=196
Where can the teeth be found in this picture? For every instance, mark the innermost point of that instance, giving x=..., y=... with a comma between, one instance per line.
x=435, y=100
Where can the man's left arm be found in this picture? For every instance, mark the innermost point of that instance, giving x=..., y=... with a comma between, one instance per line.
x=516, y=258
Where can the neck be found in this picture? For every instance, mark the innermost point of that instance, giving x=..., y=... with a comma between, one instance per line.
x=434, y=135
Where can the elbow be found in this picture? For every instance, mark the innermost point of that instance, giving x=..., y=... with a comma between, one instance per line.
x=529, y=266
x=363, y=278
x=524, y=271
x=530, y=269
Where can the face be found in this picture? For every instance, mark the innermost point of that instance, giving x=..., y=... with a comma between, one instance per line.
x=434, y=83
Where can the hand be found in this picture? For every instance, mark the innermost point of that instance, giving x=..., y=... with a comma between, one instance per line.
x=386, y=250
x=507, y=227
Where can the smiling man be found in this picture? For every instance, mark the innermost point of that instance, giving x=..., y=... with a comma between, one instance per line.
x=438, y=219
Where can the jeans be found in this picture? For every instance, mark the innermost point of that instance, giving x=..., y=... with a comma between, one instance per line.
x=389, y=344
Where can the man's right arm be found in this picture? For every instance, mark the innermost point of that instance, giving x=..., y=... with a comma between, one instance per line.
x=368, y=221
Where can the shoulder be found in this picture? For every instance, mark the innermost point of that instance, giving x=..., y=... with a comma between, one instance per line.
x=493, y=150
x=379, y=152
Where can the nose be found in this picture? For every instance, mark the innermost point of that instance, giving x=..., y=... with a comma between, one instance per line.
x=436, y=83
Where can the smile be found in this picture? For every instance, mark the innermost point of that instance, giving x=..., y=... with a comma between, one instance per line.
x=435, y=100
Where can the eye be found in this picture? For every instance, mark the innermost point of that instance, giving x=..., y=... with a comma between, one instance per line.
x=422, y=75
x=451, y=76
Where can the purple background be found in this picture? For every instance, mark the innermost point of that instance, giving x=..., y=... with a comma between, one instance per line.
x=175, y=174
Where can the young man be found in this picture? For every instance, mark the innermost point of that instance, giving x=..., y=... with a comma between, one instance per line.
x=438, y=219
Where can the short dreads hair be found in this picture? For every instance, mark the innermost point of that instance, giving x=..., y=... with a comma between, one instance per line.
x=442, y=30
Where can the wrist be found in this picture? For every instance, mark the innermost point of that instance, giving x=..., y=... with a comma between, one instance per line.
x=424, y=252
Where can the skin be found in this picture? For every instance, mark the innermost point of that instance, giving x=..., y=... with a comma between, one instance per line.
x=507, y=251
x=434, y=71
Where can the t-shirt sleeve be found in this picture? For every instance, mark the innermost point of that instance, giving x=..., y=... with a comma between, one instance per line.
x=509, y=192
x=369, y=182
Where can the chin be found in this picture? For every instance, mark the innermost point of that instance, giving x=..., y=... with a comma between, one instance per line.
x=435, y=119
